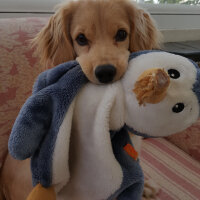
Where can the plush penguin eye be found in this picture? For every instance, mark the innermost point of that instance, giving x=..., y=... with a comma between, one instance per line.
x=174, y=73
x=179, y=107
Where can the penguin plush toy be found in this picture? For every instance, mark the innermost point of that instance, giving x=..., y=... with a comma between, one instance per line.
x=77, y=134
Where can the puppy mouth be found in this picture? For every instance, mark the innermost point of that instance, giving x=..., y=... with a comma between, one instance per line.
x=105, y=73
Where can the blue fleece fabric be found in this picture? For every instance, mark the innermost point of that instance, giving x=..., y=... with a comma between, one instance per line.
x=133, y=179
x=196, y=86
x=35, y=130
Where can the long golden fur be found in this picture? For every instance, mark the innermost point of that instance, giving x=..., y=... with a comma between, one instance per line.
x=99, y=21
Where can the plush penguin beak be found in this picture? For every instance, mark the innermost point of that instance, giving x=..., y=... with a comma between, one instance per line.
x=151, y=86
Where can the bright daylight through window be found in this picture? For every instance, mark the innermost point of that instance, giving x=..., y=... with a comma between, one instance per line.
x=184, y=2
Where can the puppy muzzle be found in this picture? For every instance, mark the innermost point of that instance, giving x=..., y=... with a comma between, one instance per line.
x=105, y=73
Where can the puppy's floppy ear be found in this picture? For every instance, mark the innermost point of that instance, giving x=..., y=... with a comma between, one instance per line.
x=144, y=34
x=53, y=43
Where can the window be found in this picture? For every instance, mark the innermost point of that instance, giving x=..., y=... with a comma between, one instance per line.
x=179, y=20
x=184, y=2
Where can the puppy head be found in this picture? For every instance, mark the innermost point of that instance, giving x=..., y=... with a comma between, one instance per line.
x=100, y=34
x=100, y=39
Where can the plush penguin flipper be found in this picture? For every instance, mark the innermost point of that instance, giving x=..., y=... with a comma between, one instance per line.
x=30, y=126
x=34, y=119
x=41, y=193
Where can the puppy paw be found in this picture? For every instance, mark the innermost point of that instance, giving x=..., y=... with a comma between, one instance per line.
x=41, y=193
x=151, y=190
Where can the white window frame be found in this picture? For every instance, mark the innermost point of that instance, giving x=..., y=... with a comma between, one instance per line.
x=177, y=22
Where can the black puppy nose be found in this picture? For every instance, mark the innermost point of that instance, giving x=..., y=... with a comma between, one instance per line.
x=105, y=73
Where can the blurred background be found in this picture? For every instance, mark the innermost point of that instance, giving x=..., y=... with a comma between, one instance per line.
x=179, y=20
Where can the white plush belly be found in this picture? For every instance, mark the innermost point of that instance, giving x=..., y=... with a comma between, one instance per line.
x=95, y=174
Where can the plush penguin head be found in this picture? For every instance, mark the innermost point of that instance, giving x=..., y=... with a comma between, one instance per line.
x=180, y=106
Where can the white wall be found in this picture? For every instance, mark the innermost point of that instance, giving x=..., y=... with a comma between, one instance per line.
x=177, y=22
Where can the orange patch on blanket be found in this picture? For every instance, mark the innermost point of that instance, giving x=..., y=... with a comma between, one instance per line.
x=131, y=151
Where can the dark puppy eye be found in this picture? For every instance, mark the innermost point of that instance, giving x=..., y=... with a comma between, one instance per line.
x=174, y=73
x=179, y=107
x=121, y=35
x=82, y=40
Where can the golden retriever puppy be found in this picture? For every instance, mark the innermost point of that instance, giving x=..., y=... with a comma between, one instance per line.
x=100, y=34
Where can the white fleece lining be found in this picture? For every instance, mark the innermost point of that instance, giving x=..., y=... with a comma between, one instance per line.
x=94, y=171
x=61, y=152
x=111, y=172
